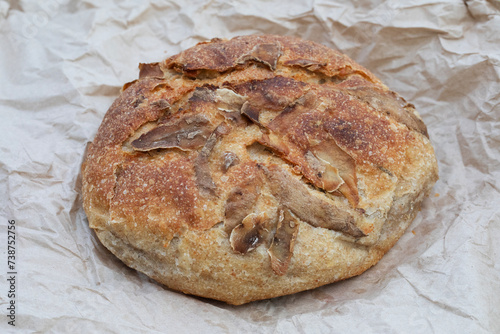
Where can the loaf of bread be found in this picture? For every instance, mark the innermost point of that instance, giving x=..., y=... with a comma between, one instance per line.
x=255, y=167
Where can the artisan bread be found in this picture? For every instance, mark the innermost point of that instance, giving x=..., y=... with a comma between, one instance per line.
x=255, y=167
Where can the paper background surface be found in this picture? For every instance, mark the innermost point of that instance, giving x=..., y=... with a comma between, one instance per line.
x=63, y=62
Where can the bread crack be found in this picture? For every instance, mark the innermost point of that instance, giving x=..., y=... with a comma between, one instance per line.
x=117, y=173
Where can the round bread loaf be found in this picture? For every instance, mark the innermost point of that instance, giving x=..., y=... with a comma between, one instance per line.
x=255, y=167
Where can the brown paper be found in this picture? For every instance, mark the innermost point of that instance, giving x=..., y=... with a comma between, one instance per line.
x=62, y=63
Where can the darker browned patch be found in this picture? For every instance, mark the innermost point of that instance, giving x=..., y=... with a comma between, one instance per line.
x=202, y=101
x=354, y=81
x=361, y=132
x=203, y=94
x=161, y=104
x=272, y=94
x=298, y=135
x=321, y=59
x=187, y=133
x=281, y=249
x=222, y=55
x=318, y=212
x=241, y=201
x=253, y=230
x=385, y=170
x=338, y=163
x=265, y=53
x=137, y=102
x=128, y=84
x=125, y=115
x=150, y=70
x=311, y=65
x=293, y=135
x=391, y=104
x=201, y=167
x=251, y=112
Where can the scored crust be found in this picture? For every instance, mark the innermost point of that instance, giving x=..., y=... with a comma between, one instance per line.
x=255, y=167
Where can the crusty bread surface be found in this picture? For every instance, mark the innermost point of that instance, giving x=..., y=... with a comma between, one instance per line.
x=255, y=167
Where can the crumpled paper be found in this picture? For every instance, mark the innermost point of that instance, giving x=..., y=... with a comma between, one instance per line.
x=63, y=63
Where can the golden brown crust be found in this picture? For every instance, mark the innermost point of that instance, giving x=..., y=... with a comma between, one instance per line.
x=255, y=167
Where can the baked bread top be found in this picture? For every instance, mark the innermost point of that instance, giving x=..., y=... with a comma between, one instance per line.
x=255, y=167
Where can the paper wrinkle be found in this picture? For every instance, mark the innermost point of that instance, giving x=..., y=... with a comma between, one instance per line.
x=483, y=9
x=63, y=63
x=4, y=8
